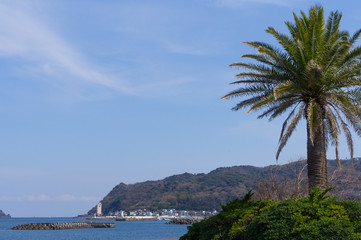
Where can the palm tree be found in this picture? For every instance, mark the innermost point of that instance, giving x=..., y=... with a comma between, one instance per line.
x=315, y=75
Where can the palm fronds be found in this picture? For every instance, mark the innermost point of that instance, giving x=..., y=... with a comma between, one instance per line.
x=315, y=74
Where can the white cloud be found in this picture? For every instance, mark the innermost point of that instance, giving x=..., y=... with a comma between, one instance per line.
x=27, y=32
x=24, y=36
x=41, y=198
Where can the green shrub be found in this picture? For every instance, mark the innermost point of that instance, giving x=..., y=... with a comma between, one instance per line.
x=230, y=223
x=315, y=217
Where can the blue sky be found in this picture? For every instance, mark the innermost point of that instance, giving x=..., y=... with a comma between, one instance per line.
x=94, y=93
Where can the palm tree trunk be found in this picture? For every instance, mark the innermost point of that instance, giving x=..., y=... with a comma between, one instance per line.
x=316, y=157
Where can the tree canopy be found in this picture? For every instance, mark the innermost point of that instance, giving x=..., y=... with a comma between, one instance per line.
x=314, y=75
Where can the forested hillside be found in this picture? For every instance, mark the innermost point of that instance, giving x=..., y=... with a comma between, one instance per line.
x=208, y=191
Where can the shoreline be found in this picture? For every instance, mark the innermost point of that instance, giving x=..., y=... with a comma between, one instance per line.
x=167, y=239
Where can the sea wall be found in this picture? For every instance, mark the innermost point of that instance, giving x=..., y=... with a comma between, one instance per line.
x=63, y=225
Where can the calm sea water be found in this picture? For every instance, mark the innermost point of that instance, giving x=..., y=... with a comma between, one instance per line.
x=137, y=230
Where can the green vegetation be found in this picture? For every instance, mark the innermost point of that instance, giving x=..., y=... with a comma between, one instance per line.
x=315, y=75
x=314, y=217
x=209, y=191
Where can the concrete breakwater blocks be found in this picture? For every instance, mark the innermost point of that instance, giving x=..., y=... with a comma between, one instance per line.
x=185, y=221
x=63, y=225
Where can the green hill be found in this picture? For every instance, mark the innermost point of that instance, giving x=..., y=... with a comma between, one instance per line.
x=208, y=191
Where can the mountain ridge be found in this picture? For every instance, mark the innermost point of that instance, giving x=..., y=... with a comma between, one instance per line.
x=209, y=191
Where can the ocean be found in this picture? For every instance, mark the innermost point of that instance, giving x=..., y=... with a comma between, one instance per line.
x=124, y=230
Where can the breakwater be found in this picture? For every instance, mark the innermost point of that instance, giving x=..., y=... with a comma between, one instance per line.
x=63, y=225
x=187, y=221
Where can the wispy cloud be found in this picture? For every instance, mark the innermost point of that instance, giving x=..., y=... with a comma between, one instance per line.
x=24, y=36
x=46, y=198
x=30, y=34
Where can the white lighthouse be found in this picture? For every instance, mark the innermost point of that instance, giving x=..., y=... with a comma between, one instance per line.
x=99, y=209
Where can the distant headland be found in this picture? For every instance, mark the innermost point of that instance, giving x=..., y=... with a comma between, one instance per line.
x=3, y=215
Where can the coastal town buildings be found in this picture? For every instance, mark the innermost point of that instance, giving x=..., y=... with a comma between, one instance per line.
x=164, y=213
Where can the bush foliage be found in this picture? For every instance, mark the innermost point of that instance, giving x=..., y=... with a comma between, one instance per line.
x=317, y=216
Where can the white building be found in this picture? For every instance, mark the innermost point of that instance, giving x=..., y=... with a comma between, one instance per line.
x=99, y=209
